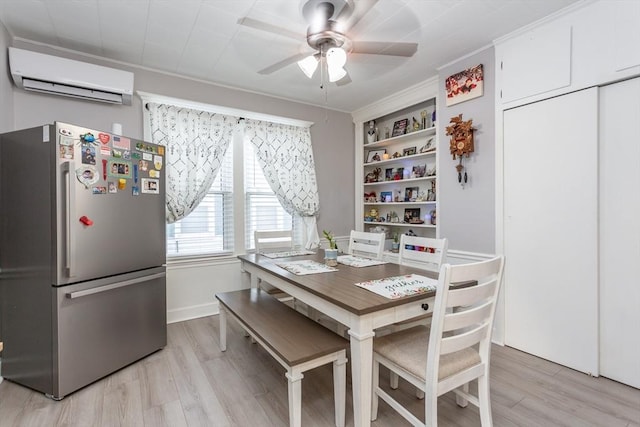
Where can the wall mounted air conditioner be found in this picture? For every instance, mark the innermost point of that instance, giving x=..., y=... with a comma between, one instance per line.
x=51, y=74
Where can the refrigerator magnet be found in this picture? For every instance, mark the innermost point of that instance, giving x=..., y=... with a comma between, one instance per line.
x=119, y=169
x=161, y=150
x=104, y=138
x=87, y=175
x=88, y=137
x=144, y=165
x=116, y=153
x=150, y=186
x=136, y=155
x=99, y=190
x=105, y=150
x=88, y=154
x=148, y=157
x=154, y=174
x=113, y=188
x=126, y=154
x=157, y=162
x=121, y=142
x=122, y=184
x=65, y=132
x=135, y=191
x=66, y=152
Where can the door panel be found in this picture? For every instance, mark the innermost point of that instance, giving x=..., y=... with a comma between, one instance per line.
x=550, y=188
x=122, y=232
x=620, y=232
x=106, y=324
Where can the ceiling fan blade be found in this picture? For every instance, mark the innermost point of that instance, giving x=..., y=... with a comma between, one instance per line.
x=263, y=26
x=385, y=48
x=285, y=62
x=350, y=16
x=344, y=81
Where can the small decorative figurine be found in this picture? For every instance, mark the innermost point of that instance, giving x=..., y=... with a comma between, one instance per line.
x=372, y=132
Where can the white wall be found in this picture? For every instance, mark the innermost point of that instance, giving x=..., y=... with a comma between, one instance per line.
x=191, y=286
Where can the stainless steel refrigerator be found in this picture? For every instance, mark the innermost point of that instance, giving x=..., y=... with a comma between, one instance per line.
x=82, y=254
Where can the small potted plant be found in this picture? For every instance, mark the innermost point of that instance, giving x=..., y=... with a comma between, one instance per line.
x=395, y=245
x=331, y=253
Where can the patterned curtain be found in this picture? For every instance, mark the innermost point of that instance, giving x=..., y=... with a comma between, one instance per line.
x=195, y=142
x=286, y=157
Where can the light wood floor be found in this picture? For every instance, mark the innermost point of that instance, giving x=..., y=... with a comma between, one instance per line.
x=192, y=383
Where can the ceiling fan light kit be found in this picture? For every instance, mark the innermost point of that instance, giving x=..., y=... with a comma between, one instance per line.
x=329, y=21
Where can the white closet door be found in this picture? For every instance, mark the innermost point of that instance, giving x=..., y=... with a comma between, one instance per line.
x=620, y=232
x=551, y=229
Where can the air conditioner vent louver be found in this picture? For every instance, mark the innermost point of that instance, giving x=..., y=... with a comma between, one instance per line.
x=59, y=76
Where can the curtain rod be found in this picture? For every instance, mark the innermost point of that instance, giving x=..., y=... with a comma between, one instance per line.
x=149, y=97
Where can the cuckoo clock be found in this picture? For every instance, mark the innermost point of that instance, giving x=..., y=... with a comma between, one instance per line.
x=461, y=144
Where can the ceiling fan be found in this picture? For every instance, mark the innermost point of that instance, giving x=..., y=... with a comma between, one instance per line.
x=329, y=23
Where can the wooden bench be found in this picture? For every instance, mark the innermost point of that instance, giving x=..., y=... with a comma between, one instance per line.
x=295, y=341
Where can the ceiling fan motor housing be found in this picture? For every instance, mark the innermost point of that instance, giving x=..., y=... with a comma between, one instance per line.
x=323, y=32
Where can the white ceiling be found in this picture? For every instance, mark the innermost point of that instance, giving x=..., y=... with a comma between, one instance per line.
x=202, y=39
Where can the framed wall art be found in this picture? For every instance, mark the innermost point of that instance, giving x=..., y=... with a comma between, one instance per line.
x=465, y=85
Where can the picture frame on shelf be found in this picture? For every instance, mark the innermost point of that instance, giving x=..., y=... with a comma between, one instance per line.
x=411, y=194
x=375, y=155
x=397, y=174
x=386, y=196
x=388, y=174
x=411, y=214
x=409, y=151
x=399, y=127
x=429, y=146
x=419, y=171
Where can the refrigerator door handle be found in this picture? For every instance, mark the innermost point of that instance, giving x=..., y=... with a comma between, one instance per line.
x=70, y=202
x=100, y=289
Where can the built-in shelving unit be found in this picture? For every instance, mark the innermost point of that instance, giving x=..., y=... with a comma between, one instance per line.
x=397, y=176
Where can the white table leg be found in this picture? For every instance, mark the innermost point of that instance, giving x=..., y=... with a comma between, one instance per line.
x=223, y=328
x=361, y=368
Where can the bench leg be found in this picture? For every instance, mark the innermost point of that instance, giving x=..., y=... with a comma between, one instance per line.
x=223, y=329
x=340, y=388
x=295, y=397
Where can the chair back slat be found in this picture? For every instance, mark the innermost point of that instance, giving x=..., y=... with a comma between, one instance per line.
x=416, y=251
x=368, y=245
x=269, y=240
x=469, y=296
x=451, y=344
x=467, y=318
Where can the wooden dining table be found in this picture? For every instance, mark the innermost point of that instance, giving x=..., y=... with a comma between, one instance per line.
x=360, y=310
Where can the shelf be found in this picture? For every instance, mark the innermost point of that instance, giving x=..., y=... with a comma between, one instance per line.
x=423, y=202
x=400, y=224
x=403, y=158
x=424, y=178
x=406, y=136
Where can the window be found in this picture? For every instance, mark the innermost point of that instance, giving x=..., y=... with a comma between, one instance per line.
x=209, y=229
x=262, y=208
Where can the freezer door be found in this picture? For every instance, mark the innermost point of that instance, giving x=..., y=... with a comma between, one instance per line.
x=111, y=204
x=106, y=324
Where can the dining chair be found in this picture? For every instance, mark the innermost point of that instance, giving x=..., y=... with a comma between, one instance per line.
x=365, y=244
x=272, y=241
x=454, y=351
x=422, y=252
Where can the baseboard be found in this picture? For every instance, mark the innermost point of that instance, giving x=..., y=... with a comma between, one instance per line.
x=192, y=312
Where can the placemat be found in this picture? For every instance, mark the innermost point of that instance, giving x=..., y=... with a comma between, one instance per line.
x=356, y=261
x=286, y=254
x=400, y=286
x=300, y=268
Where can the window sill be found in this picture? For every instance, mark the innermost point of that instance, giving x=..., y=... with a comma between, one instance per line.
x=201, y=261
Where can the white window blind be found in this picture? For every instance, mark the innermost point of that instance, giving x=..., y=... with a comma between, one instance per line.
x=262, y=208
x=208, y=230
